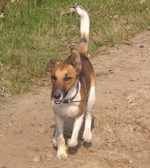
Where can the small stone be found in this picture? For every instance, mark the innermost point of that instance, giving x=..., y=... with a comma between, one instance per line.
x=37, y=159
x=42, y=130
x=141, y=46
x=130, y=161
x=127, y=42
x=116, y=17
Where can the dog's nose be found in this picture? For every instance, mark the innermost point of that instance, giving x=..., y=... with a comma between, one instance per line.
x=57, y=94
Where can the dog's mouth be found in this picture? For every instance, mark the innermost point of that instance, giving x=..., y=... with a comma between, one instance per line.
x=58, y=101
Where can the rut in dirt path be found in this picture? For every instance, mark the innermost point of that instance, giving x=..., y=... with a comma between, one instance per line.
x=121, y=133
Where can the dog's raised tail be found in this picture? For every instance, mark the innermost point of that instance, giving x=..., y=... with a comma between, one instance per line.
x=84, y=28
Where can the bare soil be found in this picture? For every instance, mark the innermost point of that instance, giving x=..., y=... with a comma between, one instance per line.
x=121, y=117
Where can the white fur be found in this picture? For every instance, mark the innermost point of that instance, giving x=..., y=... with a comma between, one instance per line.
x=65, y=110
x=87, y=134
x=84, y=20
x=69, y=109
x=62, y=111
x=61, y=151
x=73, y=141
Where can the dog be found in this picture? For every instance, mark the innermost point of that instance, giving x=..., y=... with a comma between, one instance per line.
x=73, y=89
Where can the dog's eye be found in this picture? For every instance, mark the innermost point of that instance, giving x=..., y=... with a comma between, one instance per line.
x=53, y=77
x=67, y=78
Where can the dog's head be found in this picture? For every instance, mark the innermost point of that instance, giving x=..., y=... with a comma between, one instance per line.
x=64, y=75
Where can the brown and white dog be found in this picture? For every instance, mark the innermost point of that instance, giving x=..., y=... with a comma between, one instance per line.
x=73, y=89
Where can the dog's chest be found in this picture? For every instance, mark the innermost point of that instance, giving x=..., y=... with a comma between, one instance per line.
x=66, y=110
x=70, y=109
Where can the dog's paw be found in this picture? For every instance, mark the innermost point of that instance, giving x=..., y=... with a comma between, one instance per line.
x=61, y=154
x=87, y=136
x=55, y=143
x=72, y=143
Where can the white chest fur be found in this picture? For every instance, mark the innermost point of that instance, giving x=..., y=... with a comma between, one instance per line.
x=68, y=109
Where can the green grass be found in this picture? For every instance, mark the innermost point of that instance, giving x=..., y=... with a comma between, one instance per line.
x=35, y=31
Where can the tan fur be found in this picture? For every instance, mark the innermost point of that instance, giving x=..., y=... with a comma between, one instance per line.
x=60, y=71
x=83, y=48
x=83, y=93
x=73, y=80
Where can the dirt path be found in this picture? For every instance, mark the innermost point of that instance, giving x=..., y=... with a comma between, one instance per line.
x=121, y=133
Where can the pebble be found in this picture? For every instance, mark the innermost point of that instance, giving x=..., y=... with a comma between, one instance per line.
x=130, y=161
x=42, y=130
x=37, y=158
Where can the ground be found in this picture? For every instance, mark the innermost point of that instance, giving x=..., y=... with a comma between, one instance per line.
x=121, y=117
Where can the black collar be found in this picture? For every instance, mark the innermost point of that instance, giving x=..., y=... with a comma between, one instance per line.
x=71, y=99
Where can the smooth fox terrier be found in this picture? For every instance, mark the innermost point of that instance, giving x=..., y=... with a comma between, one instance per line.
x=73, y=89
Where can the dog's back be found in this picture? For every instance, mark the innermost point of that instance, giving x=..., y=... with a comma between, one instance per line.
x=87, y=72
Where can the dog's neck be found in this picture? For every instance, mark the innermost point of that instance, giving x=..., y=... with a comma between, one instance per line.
x=74, y=92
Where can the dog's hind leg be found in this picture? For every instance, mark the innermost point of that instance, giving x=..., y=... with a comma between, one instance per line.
x=87, y=134
x=73, y=141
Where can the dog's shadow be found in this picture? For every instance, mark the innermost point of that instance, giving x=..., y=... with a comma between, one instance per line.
x=68, y=127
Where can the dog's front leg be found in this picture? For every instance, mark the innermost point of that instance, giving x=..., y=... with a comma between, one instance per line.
x=61, y=151
x=73, y=141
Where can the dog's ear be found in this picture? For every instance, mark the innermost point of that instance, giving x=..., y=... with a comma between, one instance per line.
x=76, y=60
x=51, y=65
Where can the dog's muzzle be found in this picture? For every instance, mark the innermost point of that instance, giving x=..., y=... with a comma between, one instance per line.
x=58, y=96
